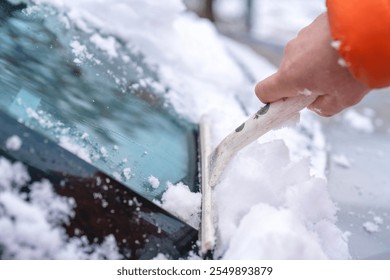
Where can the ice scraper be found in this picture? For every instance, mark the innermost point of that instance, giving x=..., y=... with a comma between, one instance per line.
x=213, y=162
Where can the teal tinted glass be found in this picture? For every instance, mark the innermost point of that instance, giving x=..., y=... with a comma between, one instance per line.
x=110, y=109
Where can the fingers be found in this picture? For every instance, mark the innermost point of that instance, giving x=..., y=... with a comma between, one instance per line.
x=329, y=105
x=274, y=88
x=325, y=106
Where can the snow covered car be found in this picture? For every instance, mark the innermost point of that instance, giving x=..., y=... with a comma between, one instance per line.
x=99, y=107
x=61, y=90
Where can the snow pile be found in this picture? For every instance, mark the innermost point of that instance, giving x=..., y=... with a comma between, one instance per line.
x=31, y=222
x=180, y=201
x=268, y=203
x=270, y=207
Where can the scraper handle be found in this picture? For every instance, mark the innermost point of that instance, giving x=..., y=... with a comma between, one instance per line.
x=271, y=116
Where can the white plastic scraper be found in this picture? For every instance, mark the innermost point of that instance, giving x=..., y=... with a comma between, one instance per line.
x=213, y=162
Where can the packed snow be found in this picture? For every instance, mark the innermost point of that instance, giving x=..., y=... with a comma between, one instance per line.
x=272, y=202
x=180, y=201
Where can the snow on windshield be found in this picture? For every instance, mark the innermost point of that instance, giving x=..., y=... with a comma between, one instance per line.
x=272, y=201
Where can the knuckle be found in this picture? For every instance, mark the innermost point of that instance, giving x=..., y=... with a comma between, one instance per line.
x=260, y=91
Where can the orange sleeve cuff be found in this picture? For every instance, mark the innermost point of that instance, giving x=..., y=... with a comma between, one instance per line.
x=363, y=29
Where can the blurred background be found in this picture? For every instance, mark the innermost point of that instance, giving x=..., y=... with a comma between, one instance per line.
x=265, y=25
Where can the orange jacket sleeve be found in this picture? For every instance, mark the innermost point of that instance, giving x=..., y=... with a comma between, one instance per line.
x=363, y=29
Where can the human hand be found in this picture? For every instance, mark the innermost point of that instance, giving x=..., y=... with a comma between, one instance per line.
x=310, y=65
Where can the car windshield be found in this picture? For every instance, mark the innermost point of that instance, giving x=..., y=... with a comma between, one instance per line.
x=94, y=96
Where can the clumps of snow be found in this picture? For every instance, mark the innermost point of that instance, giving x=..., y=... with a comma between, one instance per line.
x=359, y=121
x=194, y=256
x=108, y=45
x=108, y=249
x=13, y=143
x=84, y=136
x=378, y=220
x=306, y=92
x=160, y=257
x=12, y=174
x=180, y=201
x=374, y=225
x=342, y=62
x=40, y=116
x=341, y=160
x=103, y=152
x=336, y=44
x=127, y=173
x=31, y=221
x=66, y=143
x=55, y=208
x=154, y=182
x=123, y=175
x=80, y=51
x=370, y=227
x=270, y=207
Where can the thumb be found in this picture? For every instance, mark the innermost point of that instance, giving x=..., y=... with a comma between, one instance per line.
x=274, y=88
